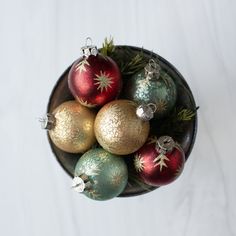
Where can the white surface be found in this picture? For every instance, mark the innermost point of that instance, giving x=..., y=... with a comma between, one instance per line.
x=39, y=39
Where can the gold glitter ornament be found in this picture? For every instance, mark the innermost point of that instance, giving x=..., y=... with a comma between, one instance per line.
x=71, y=127
x=118, y=129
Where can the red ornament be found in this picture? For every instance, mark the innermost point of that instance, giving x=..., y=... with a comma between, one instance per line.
x=159, y=162
x=94, y=79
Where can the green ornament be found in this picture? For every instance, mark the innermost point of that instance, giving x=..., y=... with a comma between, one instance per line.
x=100, y=175
x=153, y=86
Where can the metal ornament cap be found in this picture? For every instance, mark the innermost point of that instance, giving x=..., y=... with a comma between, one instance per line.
x=78, y=184
x=152, y=69
x=48, y=121
x=165, y=144
x=146, y=111
x=89, y=49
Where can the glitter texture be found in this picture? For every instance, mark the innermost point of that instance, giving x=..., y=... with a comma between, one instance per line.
x=118, y=129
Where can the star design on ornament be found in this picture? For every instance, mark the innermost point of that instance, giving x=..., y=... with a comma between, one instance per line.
x=152, y=139
x=91, y=168
x=116, y=178
x=85, y=103
x=161, y=106
x=94, y=194
x=165, y=78
x=81, y=66
x=160, y=161
x=138, y=162
x=103, y=81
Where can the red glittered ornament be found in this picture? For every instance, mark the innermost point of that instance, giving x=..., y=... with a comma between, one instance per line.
x=159, y=162
x=94, y=79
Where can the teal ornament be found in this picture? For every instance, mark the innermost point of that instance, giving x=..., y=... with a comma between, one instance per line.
x=155, y=86
x=100, y=175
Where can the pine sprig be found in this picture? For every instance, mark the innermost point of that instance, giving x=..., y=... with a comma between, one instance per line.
x=108, y=47
x=185, y=114
x=129, y=62
x=177, y=121
x=136, y=63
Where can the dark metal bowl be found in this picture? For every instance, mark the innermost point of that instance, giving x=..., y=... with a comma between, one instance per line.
x=185, y=99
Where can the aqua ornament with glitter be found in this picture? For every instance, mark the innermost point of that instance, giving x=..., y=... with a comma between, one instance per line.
x=153, y=85
x=100, y=175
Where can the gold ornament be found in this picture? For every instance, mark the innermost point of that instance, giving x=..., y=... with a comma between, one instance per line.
x=118, y=129
x=71, y=127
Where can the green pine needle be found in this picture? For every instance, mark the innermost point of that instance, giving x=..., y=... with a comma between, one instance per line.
x=108, y=47
x=185, y=114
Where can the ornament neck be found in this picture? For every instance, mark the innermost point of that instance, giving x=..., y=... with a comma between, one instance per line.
x=89, y=49
x=146, y=112
x=152, y=70
x=81, y=183
x=48, y=121
x=165, y=144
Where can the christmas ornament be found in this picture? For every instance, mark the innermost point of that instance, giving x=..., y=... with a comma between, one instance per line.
x=152, y=85
x=118, y=129
x=159, y=162
x=94, y=79
x=100, y=175
x=70, y=127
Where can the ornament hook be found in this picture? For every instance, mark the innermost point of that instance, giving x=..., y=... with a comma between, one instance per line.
x=88, y=42
x=80, y=183
x=89, y=49
x=153, y=106
x=152, y=69
x=48, y=121
x=165, y=144
x=146, y=111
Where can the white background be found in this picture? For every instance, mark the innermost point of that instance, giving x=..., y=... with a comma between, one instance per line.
x=39, y=39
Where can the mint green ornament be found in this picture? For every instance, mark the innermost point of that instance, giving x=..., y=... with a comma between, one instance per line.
x=153, y=86
x=100, y=175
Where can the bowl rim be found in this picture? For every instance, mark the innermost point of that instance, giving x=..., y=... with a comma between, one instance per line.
x=169, y=65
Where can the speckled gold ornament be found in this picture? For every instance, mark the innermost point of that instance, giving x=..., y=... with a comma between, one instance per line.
x=71, y=127
x=118, y=129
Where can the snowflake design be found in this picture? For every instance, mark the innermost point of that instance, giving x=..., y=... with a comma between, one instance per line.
x=91, y=168
x=81, y=66
x=85, y=103
x=161, y=106
x=160, y=161
x=139, y=163
x=116, y=178
x=152, y=139
x=165, y=78
x=103, y=81
x=94, y=194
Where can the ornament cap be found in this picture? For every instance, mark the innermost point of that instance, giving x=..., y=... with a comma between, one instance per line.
x=89, y=49
x=80, y=183
x=152, y=69
x=146, y=111
x=48, y=121
x=165, y=144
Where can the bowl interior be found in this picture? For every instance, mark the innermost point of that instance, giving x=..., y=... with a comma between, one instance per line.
x=185, y=135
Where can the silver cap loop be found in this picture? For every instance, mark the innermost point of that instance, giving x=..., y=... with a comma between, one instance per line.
x=89, y=49
x=165, y=144
x=146, y=111
x=152, y=69
x=81, y=183
x=48, y=121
